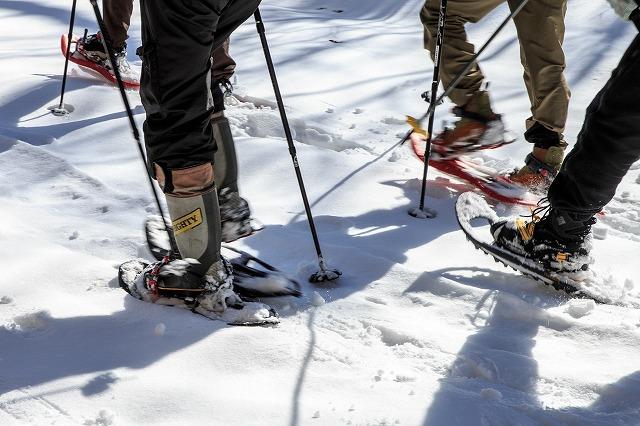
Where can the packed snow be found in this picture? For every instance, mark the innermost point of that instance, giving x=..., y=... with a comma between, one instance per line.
x=421, y=329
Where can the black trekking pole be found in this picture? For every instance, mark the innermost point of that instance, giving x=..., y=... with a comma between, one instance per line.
x=106, y=42
x=61, y=109
x=324, y=274
x=421, y=212
x=416, y=124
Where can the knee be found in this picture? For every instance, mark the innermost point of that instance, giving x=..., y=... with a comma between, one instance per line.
x=185, y=182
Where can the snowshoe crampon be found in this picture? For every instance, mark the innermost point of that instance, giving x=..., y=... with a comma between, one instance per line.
x=239, y=312
x=471, y=206
x=494, y=183
x=253, y=277
x=129, y=82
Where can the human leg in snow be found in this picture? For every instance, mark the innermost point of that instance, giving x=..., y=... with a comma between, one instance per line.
x=543, y=61
x=176, y=92
x=477, y=123
x=607, y=146
x=479, y=126
x=234, y=210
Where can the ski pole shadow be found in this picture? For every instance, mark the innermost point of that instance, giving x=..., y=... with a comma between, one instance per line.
x=365, y=247
x=46, y=349
x=347, y=178
x=297, y=393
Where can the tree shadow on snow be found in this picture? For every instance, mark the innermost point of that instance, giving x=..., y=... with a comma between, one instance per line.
x=46, y=349
x=29, y=101
x=60, y=14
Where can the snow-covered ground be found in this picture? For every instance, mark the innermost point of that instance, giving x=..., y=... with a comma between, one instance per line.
x=421, y=329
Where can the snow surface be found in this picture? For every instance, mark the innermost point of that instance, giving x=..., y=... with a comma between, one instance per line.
x=420, y=329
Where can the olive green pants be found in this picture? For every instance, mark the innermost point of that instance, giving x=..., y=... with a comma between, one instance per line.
x=540, y=28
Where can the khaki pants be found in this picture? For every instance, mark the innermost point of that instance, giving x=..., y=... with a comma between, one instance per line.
x=117, y=18
x=540, y=28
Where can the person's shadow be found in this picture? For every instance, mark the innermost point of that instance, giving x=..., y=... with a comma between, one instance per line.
x=494, y=377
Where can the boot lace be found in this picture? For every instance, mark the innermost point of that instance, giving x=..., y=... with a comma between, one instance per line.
x=526, y=224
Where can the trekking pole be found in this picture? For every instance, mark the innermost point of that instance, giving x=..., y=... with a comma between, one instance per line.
x=106, y=43
x=61, y=110
x=421, y=212
x=324, y=274
x=417, y=123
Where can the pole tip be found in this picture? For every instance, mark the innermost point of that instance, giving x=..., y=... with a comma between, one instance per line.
x=61, y=110
x=324, y=275
x=424, y=213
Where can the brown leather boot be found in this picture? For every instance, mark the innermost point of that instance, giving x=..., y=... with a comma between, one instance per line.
x=478, y=128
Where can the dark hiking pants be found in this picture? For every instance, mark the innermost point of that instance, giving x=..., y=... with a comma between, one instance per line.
x=608, y=144
x=117, y=19
x=178, y=38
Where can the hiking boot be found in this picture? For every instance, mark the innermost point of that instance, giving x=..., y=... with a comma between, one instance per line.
x=537, y=175
x=92, y=48
x=478, y=128
x=558, y=239
x=172, y=283
x=543, y=164
x=235, y=216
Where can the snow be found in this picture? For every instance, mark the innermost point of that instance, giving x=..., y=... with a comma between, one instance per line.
x=580, y=308
x=420, y=330
x=317, y=299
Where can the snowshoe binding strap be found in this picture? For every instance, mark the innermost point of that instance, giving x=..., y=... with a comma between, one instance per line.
x=540, y=167
x=151, y=279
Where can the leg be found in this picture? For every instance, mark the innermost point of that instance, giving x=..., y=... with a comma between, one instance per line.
x=607, y=146
x=178, y=39
x=177, y=43
x=540, y=27
x=117, y=18
x=223, y=67
x=176, y=75
x=223, y=64
x=478, y=126
x=235, y=214
x=457, y=51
